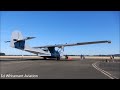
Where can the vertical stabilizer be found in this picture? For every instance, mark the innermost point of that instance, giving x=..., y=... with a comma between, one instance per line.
x=17, y=40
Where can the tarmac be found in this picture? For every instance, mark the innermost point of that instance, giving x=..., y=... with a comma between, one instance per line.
x=63, y=69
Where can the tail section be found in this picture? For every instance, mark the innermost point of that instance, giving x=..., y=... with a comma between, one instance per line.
x=17, y=40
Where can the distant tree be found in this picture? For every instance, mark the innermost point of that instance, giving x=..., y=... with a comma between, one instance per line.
x=2, y=54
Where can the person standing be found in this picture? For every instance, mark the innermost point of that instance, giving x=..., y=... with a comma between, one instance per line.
x=81, y=56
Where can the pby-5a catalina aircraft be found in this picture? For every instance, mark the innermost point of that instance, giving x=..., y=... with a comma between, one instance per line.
x=18, y=42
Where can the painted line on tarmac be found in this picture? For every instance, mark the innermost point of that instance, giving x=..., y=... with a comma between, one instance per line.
x=103, y=71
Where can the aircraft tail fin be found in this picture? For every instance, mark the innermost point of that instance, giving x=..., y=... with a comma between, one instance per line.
x=17, y=40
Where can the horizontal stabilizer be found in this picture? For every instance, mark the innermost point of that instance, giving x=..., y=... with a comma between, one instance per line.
x=27, y=38
x=7, y=41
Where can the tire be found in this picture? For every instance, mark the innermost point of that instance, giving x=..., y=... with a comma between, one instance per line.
x=45, y=58
x=58, y=58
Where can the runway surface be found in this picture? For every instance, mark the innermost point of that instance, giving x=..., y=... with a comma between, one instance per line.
x=53, y=69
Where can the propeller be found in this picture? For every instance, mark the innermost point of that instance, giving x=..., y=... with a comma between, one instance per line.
x=61, y=48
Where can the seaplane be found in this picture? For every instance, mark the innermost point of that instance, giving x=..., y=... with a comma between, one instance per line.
x=19, y=42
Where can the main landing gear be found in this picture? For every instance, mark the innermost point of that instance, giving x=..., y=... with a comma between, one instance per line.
x=44, y=58
x=58, y=58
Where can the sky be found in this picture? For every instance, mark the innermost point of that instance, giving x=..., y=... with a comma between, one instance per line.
x=60, y=27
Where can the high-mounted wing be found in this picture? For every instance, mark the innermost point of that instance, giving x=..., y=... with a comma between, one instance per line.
x=74, y=44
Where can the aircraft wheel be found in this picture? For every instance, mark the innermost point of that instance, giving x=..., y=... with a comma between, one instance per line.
x=45, y=58
x=58, y=58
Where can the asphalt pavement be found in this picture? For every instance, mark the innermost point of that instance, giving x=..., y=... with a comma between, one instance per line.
x=52, y=69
